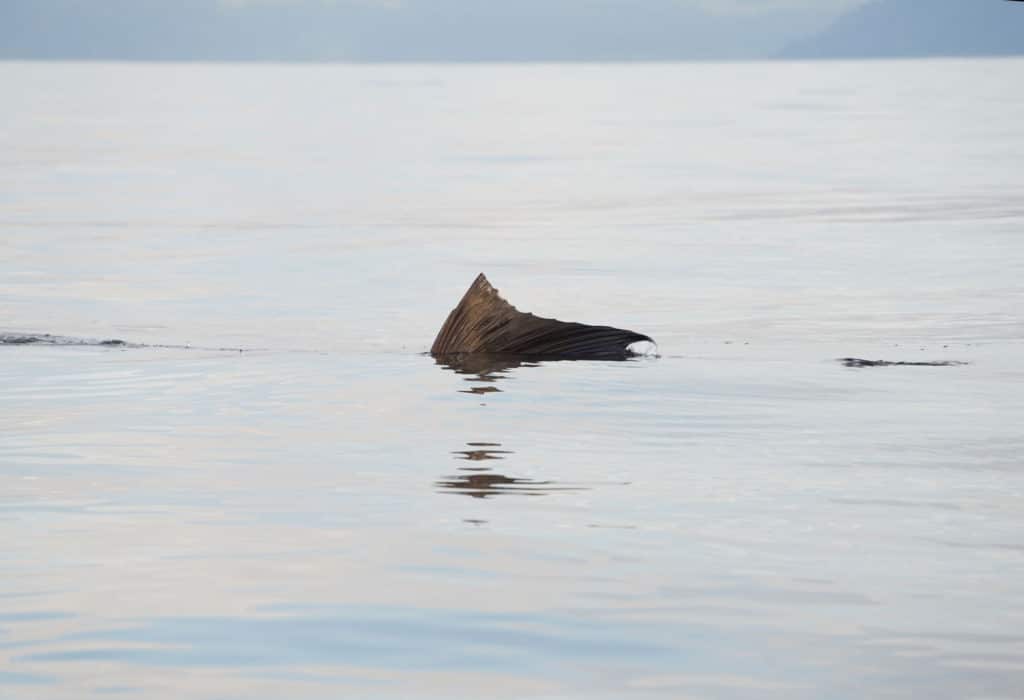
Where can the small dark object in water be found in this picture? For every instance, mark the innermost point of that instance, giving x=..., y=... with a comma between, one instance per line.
x=20, y=339
x=47, y=339
x=70, y=341
x=857, y=362
x=483, y=322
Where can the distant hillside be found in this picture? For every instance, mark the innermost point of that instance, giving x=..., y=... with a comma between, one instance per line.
x=392, y=30
x=904, y=28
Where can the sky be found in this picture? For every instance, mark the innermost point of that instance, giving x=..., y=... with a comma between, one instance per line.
x=499, y=30
x=408, y=29
x=762, y=6
x=908, y=28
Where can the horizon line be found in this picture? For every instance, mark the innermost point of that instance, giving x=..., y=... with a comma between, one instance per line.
x=508, y=61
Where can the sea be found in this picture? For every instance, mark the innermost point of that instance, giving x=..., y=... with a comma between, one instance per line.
x=268, y=489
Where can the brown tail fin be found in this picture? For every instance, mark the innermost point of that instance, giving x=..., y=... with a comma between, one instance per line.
x=483, y=322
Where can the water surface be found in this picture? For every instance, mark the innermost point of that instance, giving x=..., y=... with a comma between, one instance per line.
x=330, y=513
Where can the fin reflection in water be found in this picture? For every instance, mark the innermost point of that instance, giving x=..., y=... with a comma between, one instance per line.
x=488, y=485
x=488, y=370
x=480, y=452
x=478, y=480
x=483, y=483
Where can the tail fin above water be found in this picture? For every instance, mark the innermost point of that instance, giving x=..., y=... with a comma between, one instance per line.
x=484, y=322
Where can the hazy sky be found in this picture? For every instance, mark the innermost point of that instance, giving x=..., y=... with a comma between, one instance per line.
x=713, y=6
x=501, y=30
x=761, y=6
x=408, y=29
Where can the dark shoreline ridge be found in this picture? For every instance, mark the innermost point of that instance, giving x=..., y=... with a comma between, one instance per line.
x=484, y=323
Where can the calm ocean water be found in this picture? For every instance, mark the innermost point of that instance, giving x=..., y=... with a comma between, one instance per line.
x=332, y=514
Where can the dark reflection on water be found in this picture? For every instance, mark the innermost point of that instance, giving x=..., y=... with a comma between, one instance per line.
x=489, y=369
x=481, y=452
x=492, y=368
x=484, y=483
x=478, y=390
x=489, y=484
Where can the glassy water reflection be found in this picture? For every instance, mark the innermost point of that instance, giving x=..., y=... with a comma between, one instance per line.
x=744, y=517
x=488, y=484
x=481, y=451
x=484, y=481
x=485, y=369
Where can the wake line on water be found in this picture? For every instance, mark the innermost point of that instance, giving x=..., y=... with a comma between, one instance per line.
x=68, y=341
x=112, y=343
x=858, y=363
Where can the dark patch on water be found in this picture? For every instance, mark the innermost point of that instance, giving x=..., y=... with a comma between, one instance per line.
x=47, y=339
x=67, y=341
x=489, y=484
x=858, y=362
x=482, y=482
x=479, y=390
x=481, y=451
